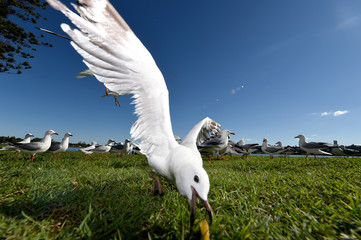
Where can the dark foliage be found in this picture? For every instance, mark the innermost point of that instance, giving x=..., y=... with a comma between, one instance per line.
x=17, y=43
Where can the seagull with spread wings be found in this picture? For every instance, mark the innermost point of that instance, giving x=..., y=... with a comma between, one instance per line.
x=118, y=59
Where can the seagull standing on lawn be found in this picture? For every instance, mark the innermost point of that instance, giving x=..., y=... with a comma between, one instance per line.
x=87, y=150
x=26, y=139
x=246, y=149
x=37, y=147
x=122, y=149
x=312, y=147
x=101, y=149
x=216, y=144
x=271, y=150
x=60, y=147
x=118, y=59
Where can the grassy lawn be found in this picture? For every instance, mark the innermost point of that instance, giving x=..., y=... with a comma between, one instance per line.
x=258, y=198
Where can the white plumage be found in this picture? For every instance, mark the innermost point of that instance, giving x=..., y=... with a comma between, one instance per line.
x=118, y=59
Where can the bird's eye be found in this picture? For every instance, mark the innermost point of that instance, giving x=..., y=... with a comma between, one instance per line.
x=196, y=178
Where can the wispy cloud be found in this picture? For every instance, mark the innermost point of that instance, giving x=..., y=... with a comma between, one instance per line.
x=335, y=114
x=349, y=22
x=339, y=113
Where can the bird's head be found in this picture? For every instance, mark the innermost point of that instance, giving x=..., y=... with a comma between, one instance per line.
x=68, y=134
x=300, y=137
x=29, y=135
x=265, y=141
x=51, y=132
x=193, y=182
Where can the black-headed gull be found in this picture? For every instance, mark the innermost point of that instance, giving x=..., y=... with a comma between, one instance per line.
x=37, y=147
x=119, y=59
x=312, y=147
x=101, y=149
x=216, y=145
x=271, y=150
x=60, y=147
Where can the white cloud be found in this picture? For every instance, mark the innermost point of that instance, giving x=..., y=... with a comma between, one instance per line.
x=339, y=113
x=335, y=114
x=325, y=114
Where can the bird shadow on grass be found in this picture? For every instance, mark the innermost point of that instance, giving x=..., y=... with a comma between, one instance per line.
x=110, y=210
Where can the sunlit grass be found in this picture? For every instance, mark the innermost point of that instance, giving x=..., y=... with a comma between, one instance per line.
x=257, y=198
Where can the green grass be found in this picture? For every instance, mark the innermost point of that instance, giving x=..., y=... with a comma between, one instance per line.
x=258, y=198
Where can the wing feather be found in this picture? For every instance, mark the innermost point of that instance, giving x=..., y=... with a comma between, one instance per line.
x=118, y=59
x=200, y=132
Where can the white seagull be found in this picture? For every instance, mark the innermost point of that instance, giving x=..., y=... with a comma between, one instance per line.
x=246, y=149
x=101, y=149
x=87, y=150
x=216, y=144
x=88, y=72
x=37, y=147
x=312, y=147
x=122, y=149
x=271, y=150
x=60, y=147
x=26, y=139
x=118, y=59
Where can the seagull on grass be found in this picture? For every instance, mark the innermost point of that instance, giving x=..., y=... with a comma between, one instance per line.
x=60, y=147
x=87, y=150
x=122, y=149
x=246, y=149
x=312, y=147
x=26, y=139
x=101, y=149
x=37, y=147
x=271, y=150
x=216, y=145
x=118, y=59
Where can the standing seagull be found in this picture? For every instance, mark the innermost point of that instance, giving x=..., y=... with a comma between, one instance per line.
x=216, y=144
x=246, y=149
x=37, y=147
x=60, y=147
x=87, y=150
x=312, y=147
x=26, y=139
x=122, y=149
x=271, y=150
x=118, y=59
x=101, y=149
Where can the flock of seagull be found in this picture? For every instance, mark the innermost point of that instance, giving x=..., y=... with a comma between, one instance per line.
x=211, y=143
x=118, y=59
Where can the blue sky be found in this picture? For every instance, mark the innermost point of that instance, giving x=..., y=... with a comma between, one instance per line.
x=271, y=69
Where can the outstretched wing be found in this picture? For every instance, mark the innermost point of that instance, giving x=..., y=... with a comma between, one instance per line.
x=118, y=59
x=200, y=131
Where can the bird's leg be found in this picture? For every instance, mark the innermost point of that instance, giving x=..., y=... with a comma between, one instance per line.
x=52, y=155
x=271, y=156
x=306, y=156
x=117, y=103
x=106, y=91
x=32, y=158
x=157, y=188
x=222, y=157
x=89, y=155
x=314, y=155
x=58, y=155
x=210, y=159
